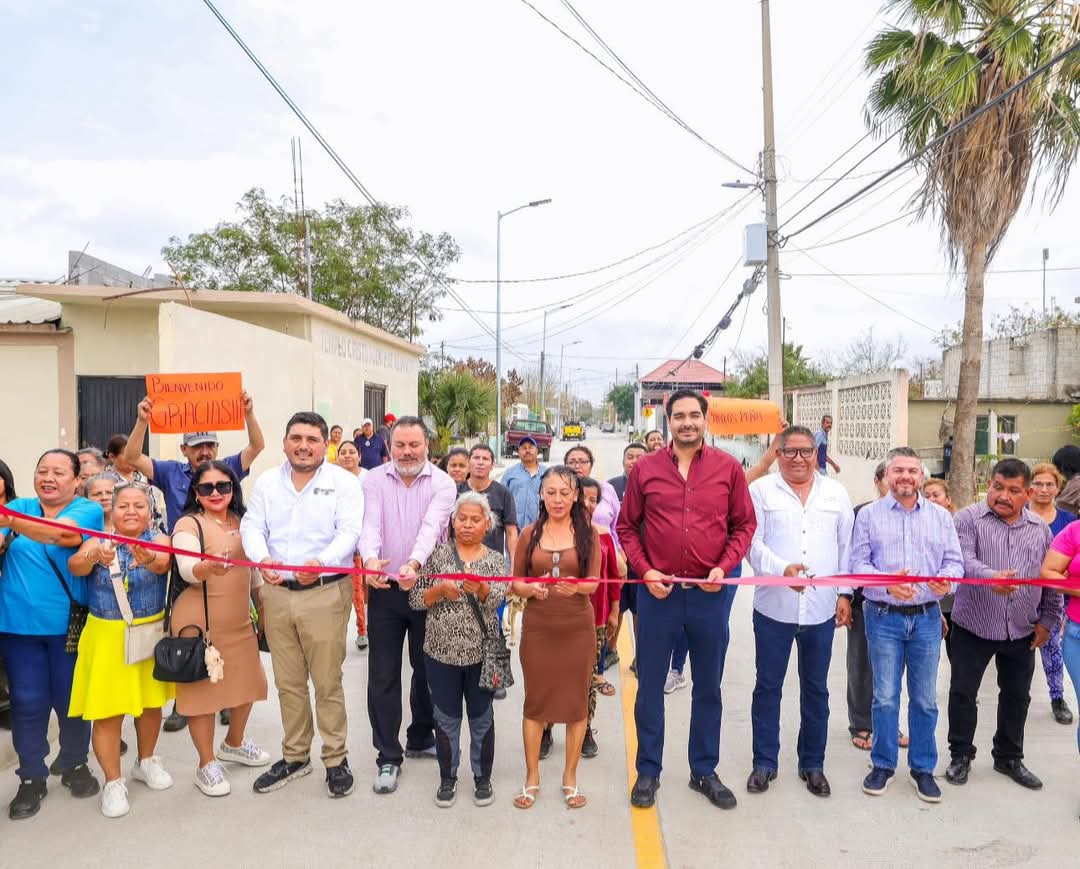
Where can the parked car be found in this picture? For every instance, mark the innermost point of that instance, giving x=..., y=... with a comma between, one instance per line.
x=607, y=427
x=572, y=430
x=534, y=428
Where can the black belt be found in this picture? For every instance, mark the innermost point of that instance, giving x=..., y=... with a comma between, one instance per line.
x=690, y=585
x=914, y=609
x=294, y=585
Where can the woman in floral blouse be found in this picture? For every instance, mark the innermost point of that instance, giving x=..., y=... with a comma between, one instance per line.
x=453, y=643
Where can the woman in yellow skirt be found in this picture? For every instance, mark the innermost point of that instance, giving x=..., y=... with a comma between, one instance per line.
x=105, y=688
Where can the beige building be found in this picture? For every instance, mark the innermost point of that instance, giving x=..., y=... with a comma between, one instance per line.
x=73, y=361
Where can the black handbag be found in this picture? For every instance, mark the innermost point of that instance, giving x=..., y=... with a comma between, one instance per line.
x=179, y=658
x=495, y=669
x=77, y=613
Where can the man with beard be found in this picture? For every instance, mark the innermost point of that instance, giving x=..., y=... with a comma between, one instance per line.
x=1000, y=539
x=409, y=502
x=686, y=523
x=309, y=512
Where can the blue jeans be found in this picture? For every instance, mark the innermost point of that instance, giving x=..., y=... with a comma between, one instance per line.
x=40, y=674
x=897, y=642
x=1070, y=651
x=704, y=618
x=772, y=642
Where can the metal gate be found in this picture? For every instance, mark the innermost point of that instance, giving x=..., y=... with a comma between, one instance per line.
x=107, y=406
x=375, y=403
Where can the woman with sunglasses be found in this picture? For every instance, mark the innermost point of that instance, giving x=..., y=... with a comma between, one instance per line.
x=607, y=511
x=126, y=582
x=215, y=505
x=558, y=639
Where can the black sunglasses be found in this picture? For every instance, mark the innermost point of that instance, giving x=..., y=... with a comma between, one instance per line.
x=222, y=487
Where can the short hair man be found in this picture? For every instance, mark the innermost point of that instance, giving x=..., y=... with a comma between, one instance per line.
x=804, y=523
x=372, y=447
x=904, y=534
x=821, y=442
x=687, y=521
x=503, y=536
x=523, y=481
x=174, y=478
x=409, y=502
x=310, y=512
x=1000, y=539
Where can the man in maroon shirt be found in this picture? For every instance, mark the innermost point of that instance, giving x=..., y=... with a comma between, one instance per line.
x=686, y=523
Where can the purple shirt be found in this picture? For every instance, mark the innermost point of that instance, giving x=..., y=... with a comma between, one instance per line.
x=887, y=539
x=607, y=510
x=991, y=544
x=403, y=523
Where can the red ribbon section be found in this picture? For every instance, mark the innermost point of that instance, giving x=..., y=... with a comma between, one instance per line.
x=838, y=580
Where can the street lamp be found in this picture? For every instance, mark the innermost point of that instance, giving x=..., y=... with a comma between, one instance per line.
x=562, y=350
x=498, y=318
x=543, y=347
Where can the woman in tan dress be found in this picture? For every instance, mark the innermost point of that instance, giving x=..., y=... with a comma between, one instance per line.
x=558, y=641
x=215, y=505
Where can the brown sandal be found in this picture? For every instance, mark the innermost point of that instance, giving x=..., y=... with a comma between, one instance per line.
x=605, y=688
x=861, y=740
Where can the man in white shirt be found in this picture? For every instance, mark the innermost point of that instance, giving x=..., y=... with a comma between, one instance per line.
x=804, y=523
x=306, y=512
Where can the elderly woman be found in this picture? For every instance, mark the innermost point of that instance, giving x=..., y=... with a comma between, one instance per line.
x=558, y=637
x=36, y=597
x=127, y=583
x=453, y=644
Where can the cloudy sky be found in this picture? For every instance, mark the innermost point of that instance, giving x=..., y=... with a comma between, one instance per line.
x=126, y=122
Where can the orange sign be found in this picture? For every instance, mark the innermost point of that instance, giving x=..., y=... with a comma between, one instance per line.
x=740, y=416
x=195, y=402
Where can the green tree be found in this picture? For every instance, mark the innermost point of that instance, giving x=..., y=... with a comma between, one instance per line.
x=364, y=261
x=956, y=56
x=623, y=398
x=753, y=372
x=457, y=403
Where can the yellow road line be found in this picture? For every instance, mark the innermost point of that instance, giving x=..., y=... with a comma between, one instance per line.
x=644, y=823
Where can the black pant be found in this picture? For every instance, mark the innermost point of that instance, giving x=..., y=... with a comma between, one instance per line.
x=389, y=620
x=1015, y=661
x=860, y=675
x=450, y=685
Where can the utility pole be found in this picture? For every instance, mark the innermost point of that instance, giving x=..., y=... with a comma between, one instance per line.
x=768, y=168
x=1046, y=256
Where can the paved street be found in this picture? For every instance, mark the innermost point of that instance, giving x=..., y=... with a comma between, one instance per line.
x=990, y=822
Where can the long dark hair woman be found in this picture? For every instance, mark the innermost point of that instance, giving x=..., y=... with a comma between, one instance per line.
x=211, y=524
x=558, y=641
x=34, y=611
x=7, y=483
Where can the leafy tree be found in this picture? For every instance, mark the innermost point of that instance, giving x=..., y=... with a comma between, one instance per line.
x=512, y=388
x=363, y=259
x=959, y=55
x=623, y=398
x=867, y=355
x=456, y=402
x=1015, y=324
x=753, y=372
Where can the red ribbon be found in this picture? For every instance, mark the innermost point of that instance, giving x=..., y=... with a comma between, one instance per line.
x=874, y=580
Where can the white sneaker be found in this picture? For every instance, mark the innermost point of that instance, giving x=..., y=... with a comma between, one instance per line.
x=210, y=779
x=674, y=682
x=151, y=773
x=114, y=799
x=247, y=753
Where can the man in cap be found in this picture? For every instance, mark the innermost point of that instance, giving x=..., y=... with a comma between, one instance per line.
x=372, y=446
x=523, y=481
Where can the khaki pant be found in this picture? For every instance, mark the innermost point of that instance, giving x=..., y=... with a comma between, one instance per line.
x=306, y=634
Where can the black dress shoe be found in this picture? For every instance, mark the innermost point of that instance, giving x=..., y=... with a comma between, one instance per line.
x=1019, y=773
x=816, y=782
x=28, y=799
x=1062, y=712
x=759, y=779
x=714, y=790
x=957, y=773
x=643, y=796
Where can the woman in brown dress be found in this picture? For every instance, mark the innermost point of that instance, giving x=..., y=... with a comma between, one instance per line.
x=214, y=506
x=558, y=641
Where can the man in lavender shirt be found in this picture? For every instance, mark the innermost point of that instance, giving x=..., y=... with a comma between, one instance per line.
x=901, y=535
x=1000, y=539
x=408, y=503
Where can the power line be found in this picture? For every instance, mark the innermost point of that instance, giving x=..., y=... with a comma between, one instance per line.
x=882, y=225
x=707, y=305
x=652, y=100
x=937, y=140
x=925, y=274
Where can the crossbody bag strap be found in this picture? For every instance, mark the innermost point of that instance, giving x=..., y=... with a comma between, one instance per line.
x=122, y=600
x=474, y=605
x=60, y=576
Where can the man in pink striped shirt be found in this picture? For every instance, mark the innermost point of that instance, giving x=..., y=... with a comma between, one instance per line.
x=407, y=512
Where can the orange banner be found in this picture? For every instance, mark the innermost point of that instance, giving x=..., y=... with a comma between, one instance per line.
x=741, y=416
x=195, y=402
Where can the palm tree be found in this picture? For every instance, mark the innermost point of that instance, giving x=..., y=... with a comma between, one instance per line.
x=456, y=401
x=957, y=56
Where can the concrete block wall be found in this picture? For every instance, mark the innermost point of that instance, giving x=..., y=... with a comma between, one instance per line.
x=1040, y=366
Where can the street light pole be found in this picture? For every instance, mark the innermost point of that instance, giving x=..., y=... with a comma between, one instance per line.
x=772, y=268
x=543, y=348
x=498, y=319
x=562, y=350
